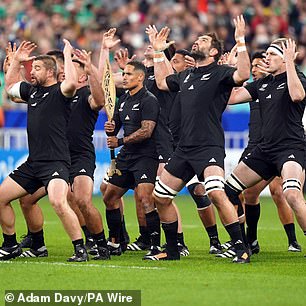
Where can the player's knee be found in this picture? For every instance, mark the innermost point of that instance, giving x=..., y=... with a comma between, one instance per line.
x=25, y=203
x=250, y=197
x=59, y=206
x=84, y=203
x=293, y=198
x=103, y=187
x=292, y=191
x=197, y=192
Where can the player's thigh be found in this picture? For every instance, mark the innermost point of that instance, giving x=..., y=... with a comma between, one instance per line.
x=10, y=190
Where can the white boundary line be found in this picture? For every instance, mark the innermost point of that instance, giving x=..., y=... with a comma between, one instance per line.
x=80, y=265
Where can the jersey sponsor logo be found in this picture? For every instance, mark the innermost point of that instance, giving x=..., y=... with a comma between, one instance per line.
x=269, y=96
x=256, y=101
x=55, y=173
x=212, y=160
x=160, y=157
x=135, y=107
x=34, y=104
x=127, y=117
x=143, y=177
x=121, y=106
x=82, y=170
x=291, y=156
x=75, y=99
x=281, y=86
x=33, y=95
x=45, y=94
x=191, y=87
x=205, y=77
x=186, y=79
x=263, y=87
x=151, y=77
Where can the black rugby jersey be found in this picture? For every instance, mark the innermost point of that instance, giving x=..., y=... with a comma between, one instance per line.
x=48, y=115
x=255, y=124
x=281, y=118
x=162, y=135
x=175, y=120
x=81, y=123
x=129, y=112
x=204, y=92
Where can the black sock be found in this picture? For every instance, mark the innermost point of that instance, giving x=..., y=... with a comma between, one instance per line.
x=252, y=214
x=123, y=232
x=113, y=218
x=28, y=233
x=212, y=232
x=234, y=231
x=9, y=240
x=290, y=231
x=78, y=243
x=144, y=233
x=153, y=227
x=170, y=230
x=100, y=239
x=245, y=241
x=180, y=238
x=38, y=239
x=86, y=232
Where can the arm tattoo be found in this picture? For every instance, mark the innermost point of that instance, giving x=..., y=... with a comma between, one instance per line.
x=146, y=130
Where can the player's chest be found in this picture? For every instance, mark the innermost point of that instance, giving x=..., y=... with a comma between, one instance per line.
x=273, y=94
x=130, y=111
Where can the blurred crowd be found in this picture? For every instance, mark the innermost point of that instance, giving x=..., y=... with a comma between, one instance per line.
x=82, y=22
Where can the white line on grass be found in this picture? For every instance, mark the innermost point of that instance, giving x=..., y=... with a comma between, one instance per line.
x=80, y=265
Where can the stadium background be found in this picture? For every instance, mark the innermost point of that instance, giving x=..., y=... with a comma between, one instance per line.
x=83, y=22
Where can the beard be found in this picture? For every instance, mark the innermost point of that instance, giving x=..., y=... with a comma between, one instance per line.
x=198, y=55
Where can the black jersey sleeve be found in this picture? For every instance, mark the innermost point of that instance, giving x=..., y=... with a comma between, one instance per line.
x=303, y=81
x=252, y=89
x=173, y=82
x=150, y=109
x=25, y=91
x=226, y=75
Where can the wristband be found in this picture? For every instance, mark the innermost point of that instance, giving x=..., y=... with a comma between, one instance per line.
x=158, y=52
x=241, y=40
x=241, y=49
x=158, y=59
x=120, y=142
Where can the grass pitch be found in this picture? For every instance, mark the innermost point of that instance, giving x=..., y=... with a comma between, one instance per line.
x=274, y=277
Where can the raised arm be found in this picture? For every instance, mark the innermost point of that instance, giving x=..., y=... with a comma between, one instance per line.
x=295, y=87
x=161, y=68
x=12, y=76
x=107, y=43
x=239, y=95
x=68, y=86
x=97, y=99
x=243, y=61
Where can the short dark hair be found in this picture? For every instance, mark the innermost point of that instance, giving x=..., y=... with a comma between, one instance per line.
x=79, y=62
x=216, y=43
x=170, y=51
x=258, y=54
x=137, y=66
x=58, y=54
x=183, y=52
x=49, y=63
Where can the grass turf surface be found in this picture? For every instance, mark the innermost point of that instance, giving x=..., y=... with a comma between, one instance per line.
x=274, y=277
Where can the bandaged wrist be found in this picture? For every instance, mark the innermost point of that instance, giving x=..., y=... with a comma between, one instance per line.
x=241, y=48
